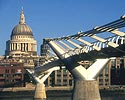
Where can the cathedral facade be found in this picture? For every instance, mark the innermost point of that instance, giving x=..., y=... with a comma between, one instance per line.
x=22, y=46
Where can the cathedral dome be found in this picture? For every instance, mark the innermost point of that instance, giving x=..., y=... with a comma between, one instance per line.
x=22, y=44
x=22, y=28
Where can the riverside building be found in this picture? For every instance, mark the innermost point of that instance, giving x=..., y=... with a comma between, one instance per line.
x=11, y=73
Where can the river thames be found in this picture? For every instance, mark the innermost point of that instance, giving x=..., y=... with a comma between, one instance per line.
x=106, y=97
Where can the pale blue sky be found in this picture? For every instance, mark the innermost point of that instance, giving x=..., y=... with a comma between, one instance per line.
x=56, y=18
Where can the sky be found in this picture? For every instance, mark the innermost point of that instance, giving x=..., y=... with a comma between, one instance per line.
x=56, y=18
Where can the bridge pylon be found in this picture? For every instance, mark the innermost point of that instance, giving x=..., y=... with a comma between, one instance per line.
x=86, y=85
x=86, y=90
x=40, y=92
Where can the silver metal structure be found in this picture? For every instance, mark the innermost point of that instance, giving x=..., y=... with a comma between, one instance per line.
x=88, y=49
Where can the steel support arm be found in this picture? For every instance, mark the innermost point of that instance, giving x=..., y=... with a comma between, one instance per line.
x=89, y=44
x=44, y=75
x=112, y=44
x=94, y=70
x=118, y=33
x=78, y=46
x=70, y=48
x=59, y=51
x=78, y=71
x=42, y=78
x=114, y=31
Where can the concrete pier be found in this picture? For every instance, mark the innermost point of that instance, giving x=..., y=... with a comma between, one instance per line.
x=40, y=92
x=86, y=90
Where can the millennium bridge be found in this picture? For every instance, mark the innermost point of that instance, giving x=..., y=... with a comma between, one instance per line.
x=98, y=44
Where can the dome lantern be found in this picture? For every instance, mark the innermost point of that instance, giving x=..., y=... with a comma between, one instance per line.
x=22, y=17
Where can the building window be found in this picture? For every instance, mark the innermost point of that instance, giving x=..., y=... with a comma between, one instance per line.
x=7, y=71
x=1, y=75
x=2, y=80
x=12, y=70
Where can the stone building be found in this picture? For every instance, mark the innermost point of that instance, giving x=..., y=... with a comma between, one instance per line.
x=60, y=77
x=113, y=74
x=22, y=46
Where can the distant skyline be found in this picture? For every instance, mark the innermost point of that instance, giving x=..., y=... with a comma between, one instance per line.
x=56, y=18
